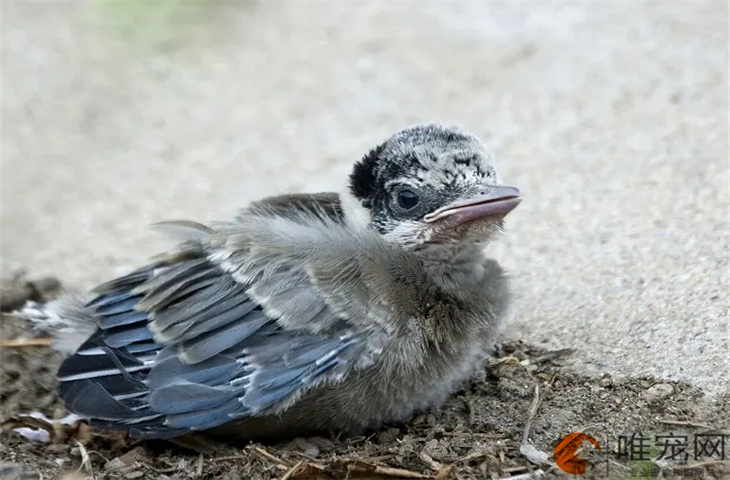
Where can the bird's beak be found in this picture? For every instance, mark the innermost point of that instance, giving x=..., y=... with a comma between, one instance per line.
x=497, y=202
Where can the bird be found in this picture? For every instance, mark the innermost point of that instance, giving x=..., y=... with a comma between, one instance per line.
x=326, y=312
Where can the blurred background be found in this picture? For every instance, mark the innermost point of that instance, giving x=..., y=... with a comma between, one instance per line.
x=612, y=117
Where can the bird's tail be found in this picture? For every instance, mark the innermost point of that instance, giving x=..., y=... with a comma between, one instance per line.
x=67, y=319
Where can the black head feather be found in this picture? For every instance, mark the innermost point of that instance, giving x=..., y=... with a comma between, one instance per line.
x=363, y=176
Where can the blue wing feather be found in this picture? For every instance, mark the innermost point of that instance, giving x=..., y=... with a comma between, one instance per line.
x=218, y=369
x=111, y=298
x=122, y=306
x=204, y=419
x=121, y=338
x=213, y=355
x=185, y=397
x=123, y=318
x=212, y=343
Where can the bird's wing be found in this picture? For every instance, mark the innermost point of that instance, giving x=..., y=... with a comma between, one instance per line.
x=240, y=321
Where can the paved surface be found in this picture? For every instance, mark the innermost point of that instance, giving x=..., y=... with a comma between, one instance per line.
x=611, y=116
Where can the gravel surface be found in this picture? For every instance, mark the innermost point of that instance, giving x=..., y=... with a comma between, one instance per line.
x=610, y=116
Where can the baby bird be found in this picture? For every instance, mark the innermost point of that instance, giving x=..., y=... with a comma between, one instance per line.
x=306, y=313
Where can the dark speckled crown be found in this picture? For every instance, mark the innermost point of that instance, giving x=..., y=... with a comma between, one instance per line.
x=397, y=156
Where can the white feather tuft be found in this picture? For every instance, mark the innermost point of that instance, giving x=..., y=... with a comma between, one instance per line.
x=356, y=215
x=67, y=319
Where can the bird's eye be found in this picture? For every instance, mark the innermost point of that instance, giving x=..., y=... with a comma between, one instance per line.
x=407, y=199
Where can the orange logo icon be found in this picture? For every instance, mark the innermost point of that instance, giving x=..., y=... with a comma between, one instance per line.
x=564, y=453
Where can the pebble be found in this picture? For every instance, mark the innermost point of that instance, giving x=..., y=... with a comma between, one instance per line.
x=646, y=383
x=658, y=392
x=128, y=460
x=306, y=446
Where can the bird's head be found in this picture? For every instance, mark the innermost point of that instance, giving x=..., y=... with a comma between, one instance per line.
x=429, y=186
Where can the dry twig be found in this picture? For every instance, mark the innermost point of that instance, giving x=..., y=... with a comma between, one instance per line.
x=496, y=436
x=291, y=471
x=25, y=342
x=279, y=462
x=430, y=462
x=683, y=424
x=526, y=476
x=199, y=470
x=531, y=415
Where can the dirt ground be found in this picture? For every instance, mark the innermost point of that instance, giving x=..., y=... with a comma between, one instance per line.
x=120, y=114
x=477, y=434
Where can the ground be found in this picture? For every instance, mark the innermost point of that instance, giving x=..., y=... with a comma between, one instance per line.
x=611, y=117
x=526, y=396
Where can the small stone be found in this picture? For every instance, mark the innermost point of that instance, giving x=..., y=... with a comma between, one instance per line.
x=646, y=383
x=305, y=446
x=605, y=382
x=134, y=474
x=324, y=444
x=533, y=454
x=658, y=392
x=114, y=464
x=137, y=454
